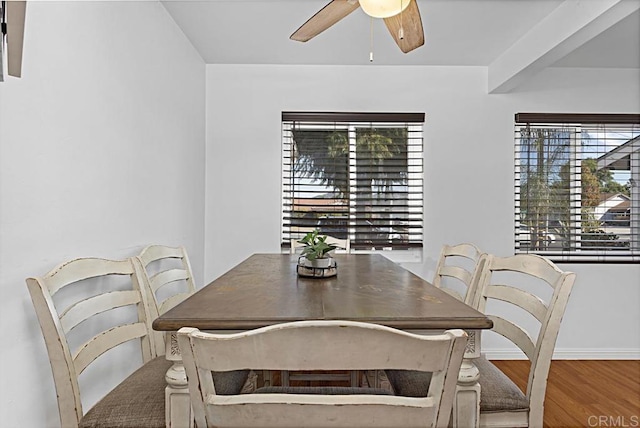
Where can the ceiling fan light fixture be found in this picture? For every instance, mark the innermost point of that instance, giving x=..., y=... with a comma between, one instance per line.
x=383, y=8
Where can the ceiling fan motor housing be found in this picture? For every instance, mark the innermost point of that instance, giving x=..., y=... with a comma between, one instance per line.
x=383, y=8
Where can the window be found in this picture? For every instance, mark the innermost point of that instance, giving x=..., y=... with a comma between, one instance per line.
x=577, y=178
x=353, y=175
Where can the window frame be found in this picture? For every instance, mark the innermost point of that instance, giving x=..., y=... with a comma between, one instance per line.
x=351, y=122
x=572, y=250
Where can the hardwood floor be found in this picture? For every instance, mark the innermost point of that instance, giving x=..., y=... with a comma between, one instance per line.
x=580, y=393
x=586, y=393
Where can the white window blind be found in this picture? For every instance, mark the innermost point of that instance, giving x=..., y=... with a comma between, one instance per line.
x=576, y=186
x=353, y=175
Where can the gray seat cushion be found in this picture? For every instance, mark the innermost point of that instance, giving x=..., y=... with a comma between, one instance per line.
x=322, y=390
x=409, y=383
x=497, y=392
x=230, y=383
x=138, y=401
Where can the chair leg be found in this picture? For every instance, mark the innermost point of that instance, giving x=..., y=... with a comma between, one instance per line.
x=466, y=404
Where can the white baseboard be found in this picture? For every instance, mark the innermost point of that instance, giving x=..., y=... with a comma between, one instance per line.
x=568, y=354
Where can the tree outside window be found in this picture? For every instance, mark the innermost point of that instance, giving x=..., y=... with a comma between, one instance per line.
x=576, y=190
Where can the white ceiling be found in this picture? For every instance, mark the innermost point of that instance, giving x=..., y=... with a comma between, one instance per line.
x=457, y=32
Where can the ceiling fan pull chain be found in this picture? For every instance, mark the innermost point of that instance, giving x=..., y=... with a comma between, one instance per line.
x=401, y=30
x=371, y=39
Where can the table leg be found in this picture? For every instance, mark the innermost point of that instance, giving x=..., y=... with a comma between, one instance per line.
x=177, y=400
x=466, y=405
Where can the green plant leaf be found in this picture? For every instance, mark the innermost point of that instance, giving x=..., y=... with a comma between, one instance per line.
x=315, y=245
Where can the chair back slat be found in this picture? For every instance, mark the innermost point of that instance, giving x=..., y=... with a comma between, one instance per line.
x=85, y=309
x=456, y=272
x=342, y=244
x=469, y=251
x=529, y=264
x=166, y=277
x=321, y=345
x=154, y=253
x=82, y=269
x=345, y=411
x=106, y=341
x=523, y=299
x=515, y=334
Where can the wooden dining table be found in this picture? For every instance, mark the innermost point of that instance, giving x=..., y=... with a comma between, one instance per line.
x=265, y=289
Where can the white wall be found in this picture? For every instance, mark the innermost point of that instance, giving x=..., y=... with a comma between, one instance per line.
x=101, y=152
x=468, y=168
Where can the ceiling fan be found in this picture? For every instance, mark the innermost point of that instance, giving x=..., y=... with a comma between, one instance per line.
x=12, y=17
x=401, y=17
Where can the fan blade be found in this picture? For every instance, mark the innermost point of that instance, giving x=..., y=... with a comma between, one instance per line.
x=411, y=24
x=15, y=36
x=325, y=18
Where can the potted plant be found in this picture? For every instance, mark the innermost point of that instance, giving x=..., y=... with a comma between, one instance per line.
x=316, y=250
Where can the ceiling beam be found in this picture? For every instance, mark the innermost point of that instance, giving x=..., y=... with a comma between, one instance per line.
x=568, y=27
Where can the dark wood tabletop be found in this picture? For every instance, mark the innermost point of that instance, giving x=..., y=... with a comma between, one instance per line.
x=265, y=289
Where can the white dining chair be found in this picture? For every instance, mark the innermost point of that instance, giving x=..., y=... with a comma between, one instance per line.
x=508, y=288
x=321, y=345
x=531, y=285
x=457, y=273
x=167, y=279
x=458, y=270
x=99, y=304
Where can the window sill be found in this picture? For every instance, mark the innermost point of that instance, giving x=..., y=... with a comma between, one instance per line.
x=412, y=255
